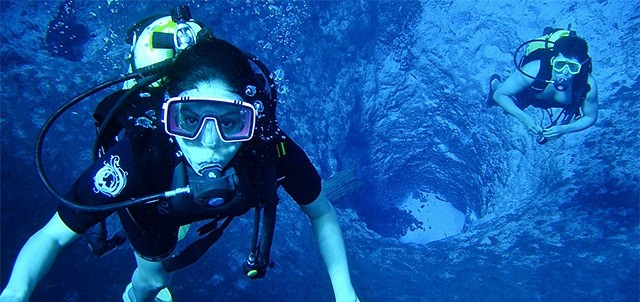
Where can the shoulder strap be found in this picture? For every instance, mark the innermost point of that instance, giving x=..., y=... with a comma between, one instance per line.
x=255, y=267
x=138, y=106
x=544, y=74
x=108, y=138
x=195, y=250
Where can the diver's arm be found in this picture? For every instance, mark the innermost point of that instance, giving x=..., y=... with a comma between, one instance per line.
x=326, y=229
x=516, y=83
x=35, y=259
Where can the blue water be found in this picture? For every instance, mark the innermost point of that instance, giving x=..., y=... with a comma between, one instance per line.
x=457, y=203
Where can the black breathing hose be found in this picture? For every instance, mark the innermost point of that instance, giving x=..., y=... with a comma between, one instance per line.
x=148, y=75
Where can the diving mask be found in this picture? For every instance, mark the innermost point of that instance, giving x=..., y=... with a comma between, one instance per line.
x=560, y=64
x=186, y=118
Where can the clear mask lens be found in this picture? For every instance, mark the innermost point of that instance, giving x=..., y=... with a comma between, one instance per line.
x=188, y=118
x=559, y=65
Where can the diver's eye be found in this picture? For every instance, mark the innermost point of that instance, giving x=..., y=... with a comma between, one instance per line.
x=228, y=123
x=190, y=121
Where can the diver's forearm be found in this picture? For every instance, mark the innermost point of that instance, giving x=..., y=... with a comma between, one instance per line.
x=36, y=257
x=33, y=262
x=580, y=124
x=510, y=107
x=331, y=244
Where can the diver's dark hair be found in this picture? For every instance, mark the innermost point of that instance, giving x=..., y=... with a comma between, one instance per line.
x=572, y=46
x=218, y=60
x=206, y=60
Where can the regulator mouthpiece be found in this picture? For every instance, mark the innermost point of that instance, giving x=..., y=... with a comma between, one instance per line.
x=213, y=188
x=561, y=84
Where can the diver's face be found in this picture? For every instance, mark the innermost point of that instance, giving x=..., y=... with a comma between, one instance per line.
x=208, y=150
x=565, y=67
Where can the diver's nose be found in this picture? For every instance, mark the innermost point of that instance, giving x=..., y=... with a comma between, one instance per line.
x=210, y=136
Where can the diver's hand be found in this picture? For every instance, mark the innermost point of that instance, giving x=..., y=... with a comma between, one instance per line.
x=350, y=299
x=531, y=125
x=554, y=132
x=8, y=295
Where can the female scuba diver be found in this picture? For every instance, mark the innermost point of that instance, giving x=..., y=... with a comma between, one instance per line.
x=213, y=134
x=568, y=68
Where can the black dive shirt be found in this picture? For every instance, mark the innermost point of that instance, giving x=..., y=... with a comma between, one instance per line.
x=144, y=166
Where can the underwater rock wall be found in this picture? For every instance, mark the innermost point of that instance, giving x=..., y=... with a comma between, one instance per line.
x=420, y=112
x=536, y=215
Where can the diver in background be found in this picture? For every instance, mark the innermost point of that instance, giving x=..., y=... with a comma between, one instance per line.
x=209, y=135
x=567, y=66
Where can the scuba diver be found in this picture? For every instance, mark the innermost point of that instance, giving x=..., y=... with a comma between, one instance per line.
x=193, y=136
x=559, y=58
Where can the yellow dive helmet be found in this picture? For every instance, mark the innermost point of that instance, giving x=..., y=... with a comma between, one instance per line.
x=159, y=38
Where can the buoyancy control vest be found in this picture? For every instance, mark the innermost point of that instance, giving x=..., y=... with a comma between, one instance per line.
x=249, y=182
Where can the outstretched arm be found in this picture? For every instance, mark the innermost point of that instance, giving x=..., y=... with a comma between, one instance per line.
x=326, y=229
x=505, y=93
x=35, y=259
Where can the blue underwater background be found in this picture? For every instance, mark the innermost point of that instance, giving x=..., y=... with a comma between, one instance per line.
x=453, y=201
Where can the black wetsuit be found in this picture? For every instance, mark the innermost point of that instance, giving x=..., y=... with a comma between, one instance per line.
x=144, y=162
